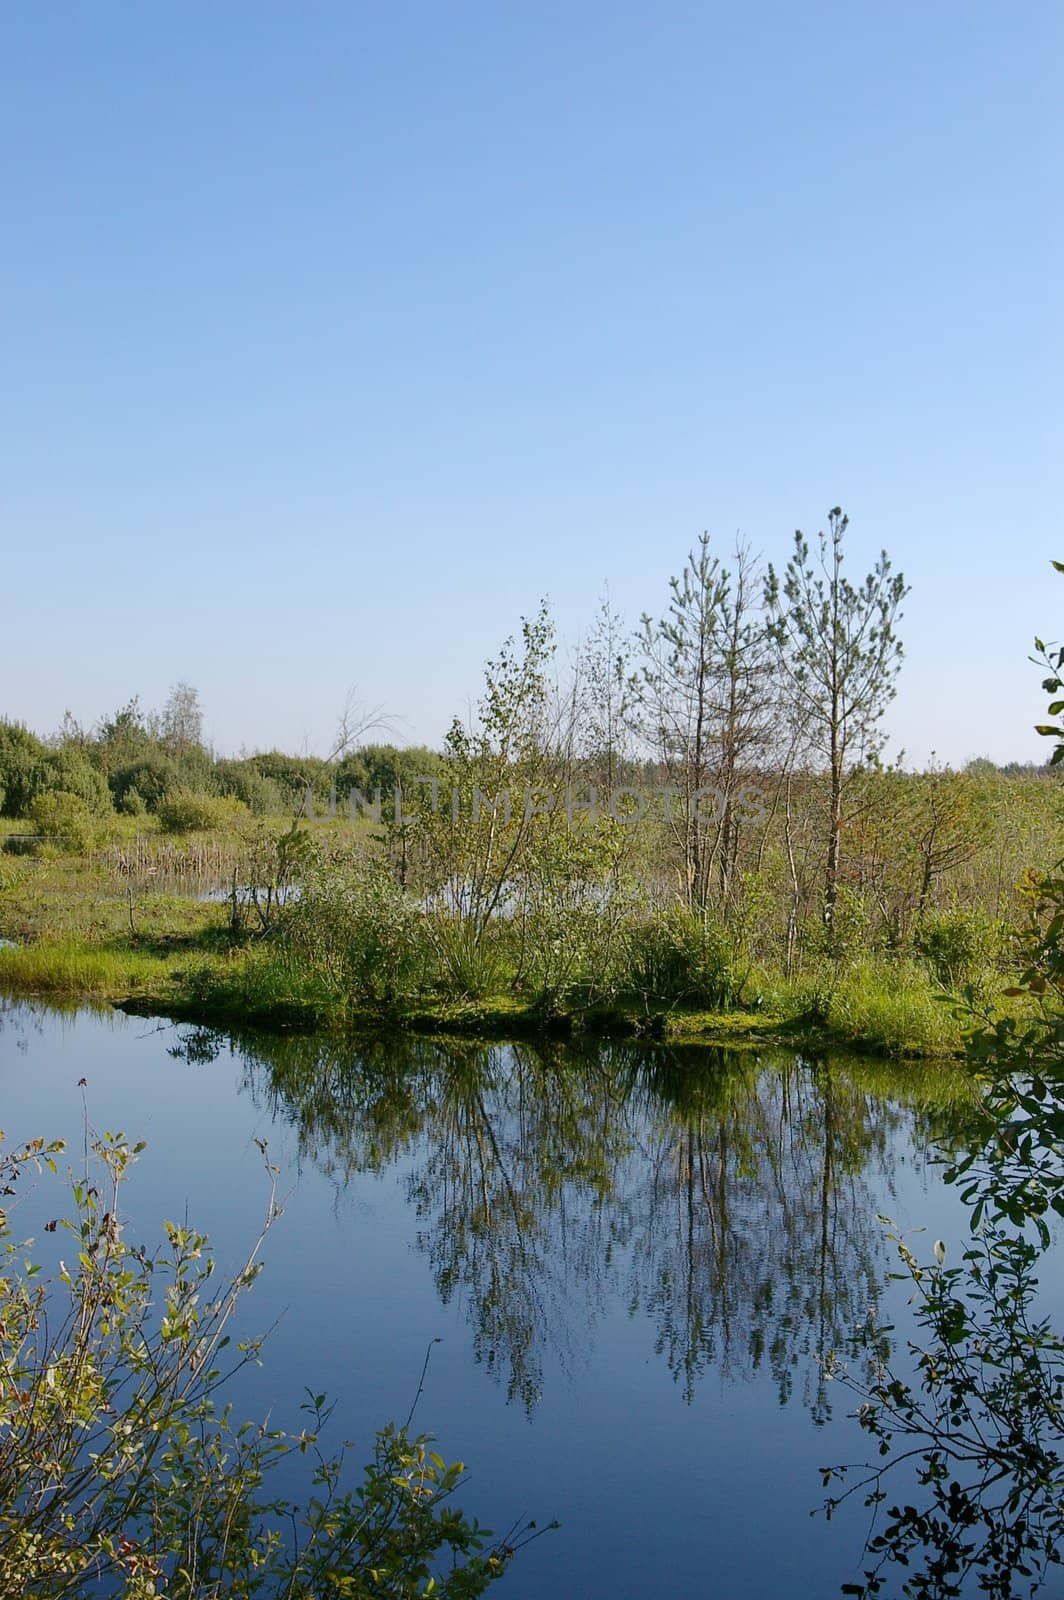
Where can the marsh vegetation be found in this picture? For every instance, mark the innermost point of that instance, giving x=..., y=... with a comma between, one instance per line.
x=755, y=873
x=691, y=821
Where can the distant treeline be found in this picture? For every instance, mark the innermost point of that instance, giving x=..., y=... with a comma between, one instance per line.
x=134, y=762
x=747, y=681
x=131, y=763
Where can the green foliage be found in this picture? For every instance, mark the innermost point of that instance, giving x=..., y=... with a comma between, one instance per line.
x=20, y=752
x=957, y=945
x=72, y=773
x=528, y=902
x=133, y=803
x=849, y=929
x=65, y=819
x=838, y=657
x=292, y=774
x=838, y=645
x=183, y=811
x=384, y=768
x=680, y=955
x=1052, y=658
x=243, y=781
x=276, y=866
x=468, y=957
x=353, y=924
x=472, y=848
x=122, y=1470
x=702, y=701
x=180, y=727
x=123, y=739
x=983, y=1417
x=144, y=784
x=889, y=1004
x=29, y=770
x=572, y=897
x=69, y=968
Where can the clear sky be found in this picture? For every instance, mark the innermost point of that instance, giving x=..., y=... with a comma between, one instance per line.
x=335, y=334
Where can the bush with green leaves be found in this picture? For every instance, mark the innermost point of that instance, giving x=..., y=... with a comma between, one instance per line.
x=573, y=900
x=69, y=771
x=184, y=811
x=681, y=955
x=469, y=959
x=122, y=1471
x=356, y=926
x=292, y=774
x=957, y=945
x=383, y=768
x=20, y=752
x=133, y=804
x=982, y=1421
x=847, y=930
x=143, y=785
x=28, y=770
x=66, y=821
x=242, y=780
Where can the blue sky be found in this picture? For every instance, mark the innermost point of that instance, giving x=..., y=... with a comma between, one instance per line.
x=334, y=335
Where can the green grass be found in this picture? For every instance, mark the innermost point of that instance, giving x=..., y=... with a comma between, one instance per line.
x=890, y=1011
x=894, y=1008
x=888, y=1005
x=79, y=936
x=71, y=970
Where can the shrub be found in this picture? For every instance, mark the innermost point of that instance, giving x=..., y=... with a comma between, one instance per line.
x=185, y=812
x=291, y=774
x=678, y=955
x=66, y=819
x=562, y=948
x=971, y=1413
x=20, y=751
x=133, y=804
x=957, y=945
x=152, y=778
x=121, y=1474
x=72, y=773
x=468, y=955
x=28, y=770
x=242, y=780
x=385, y=767
x=359, y=928
x=849, y=930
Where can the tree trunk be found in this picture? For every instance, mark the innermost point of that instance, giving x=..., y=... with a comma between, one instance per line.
x=831, y=882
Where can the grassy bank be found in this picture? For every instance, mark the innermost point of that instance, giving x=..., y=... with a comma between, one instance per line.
x=359, y=956
x=189, y=974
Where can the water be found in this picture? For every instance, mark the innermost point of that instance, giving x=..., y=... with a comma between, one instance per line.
x=629, y=1256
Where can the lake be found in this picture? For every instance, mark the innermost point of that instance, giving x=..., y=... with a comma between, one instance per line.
x=630, y=1257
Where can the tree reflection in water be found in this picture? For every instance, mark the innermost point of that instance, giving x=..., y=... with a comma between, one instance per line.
x=727, y=1197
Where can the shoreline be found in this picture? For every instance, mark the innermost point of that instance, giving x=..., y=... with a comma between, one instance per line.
x=140, y=982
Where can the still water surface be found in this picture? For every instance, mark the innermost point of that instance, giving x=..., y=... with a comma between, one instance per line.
x=630, y=1257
